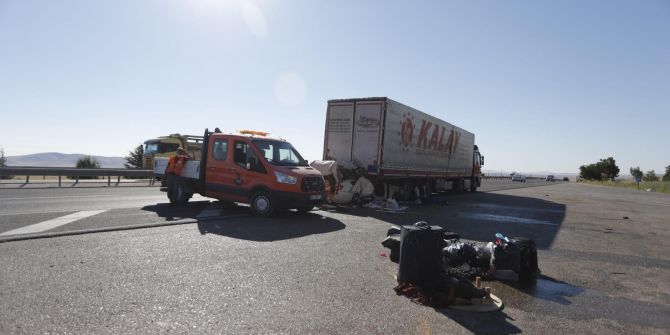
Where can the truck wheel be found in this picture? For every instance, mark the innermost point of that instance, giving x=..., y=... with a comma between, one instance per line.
x=181, y=194
x=261, y=204
x=473, y=185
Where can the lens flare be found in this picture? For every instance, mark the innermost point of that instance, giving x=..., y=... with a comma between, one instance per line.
x=290, y=89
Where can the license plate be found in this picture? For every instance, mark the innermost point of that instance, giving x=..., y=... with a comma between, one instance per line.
x=315, y=197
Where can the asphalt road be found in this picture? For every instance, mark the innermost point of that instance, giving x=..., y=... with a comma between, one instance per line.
x=204, y=268
x=136, y=205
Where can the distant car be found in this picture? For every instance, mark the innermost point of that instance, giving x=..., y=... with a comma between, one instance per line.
x=519, y=177
x=550, y=178
x=566, y=179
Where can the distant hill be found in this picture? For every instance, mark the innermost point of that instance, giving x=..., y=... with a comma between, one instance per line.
x=57, y=159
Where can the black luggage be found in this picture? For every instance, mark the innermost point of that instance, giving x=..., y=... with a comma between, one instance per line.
x=420, y=253
x=527, y=258
x=519, y=255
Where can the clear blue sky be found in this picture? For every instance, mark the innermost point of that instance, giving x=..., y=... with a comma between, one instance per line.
x=544, y=85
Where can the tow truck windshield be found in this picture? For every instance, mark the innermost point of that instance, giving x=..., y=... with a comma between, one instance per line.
x=279, y=153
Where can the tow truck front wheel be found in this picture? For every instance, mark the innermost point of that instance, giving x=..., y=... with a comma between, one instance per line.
x=261, y=204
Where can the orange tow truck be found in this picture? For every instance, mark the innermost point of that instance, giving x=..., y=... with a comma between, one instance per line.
x=250, y=168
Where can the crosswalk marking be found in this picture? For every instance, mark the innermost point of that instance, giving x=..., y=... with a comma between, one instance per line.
x=53, y=223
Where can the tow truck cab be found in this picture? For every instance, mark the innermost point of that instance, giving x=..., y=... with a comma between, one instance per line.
x=477, y=163
x=266, y=173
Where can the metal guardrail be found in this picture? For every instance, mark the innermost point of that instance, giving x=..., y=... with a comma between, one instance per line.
x=509, y=177
x=76, y=173
x=496, y=178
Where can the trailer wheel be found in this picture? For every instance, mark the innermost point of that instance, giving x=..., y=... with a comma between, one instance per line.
x=261, y=204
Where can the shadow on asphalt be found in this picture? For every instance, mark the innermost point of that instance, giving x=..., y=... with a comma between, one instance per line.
x=236, y=221
x=479, y=216
x=282, y=226
x=483, y=323
x=174, y=213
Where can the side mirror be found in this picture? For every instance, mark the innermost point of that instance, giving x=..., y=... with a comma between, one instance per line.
x=482, y=160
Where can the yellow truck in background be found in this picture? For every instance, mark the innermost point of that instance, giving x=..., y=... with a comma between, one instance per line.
x=166, y=146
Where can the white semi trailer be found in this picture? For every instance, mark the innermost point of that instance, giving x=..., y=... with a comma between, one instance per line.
x=398, y=146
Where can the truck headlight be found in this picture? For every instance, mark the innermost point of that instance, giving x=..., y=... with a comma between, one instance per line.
x=284, y=178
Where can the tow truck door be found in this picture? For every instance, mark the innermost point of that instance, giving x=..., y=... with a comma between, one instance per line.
x=219, y=173
x=248, y=168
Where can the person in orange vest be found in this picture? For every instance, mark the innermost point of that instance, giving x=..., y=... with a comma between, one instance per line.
x=184, y=153
x=176, y=162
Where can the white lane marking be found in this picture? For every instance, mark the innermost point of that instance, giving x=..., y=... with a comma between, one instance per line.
x=44, y=212
x=53, y=223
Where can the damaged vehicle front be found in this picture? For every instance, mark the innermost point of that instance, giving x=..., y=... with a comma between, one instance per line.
x=291, y=170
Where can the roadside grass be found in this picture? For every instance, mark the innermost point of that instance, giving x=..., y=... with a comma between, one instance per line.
x=653, y=186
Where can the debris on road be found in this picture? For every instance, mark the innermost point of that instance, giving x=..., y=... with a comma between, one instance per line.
x=436, y=268
x=443, y=291
x=392, y=242
x=388, y=205
x=471, y=259
x=478, y=259
x=344, y=182
x=420, y=274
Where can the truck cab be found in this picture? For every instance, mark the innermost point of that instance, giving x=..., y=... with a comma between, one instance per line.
x=477, y=163
x=166, y=146
x=266, y=173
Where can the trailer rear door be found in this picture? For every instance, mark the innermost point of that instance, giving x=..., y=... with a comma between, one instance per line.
x=367, y=134
x=339, y=128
